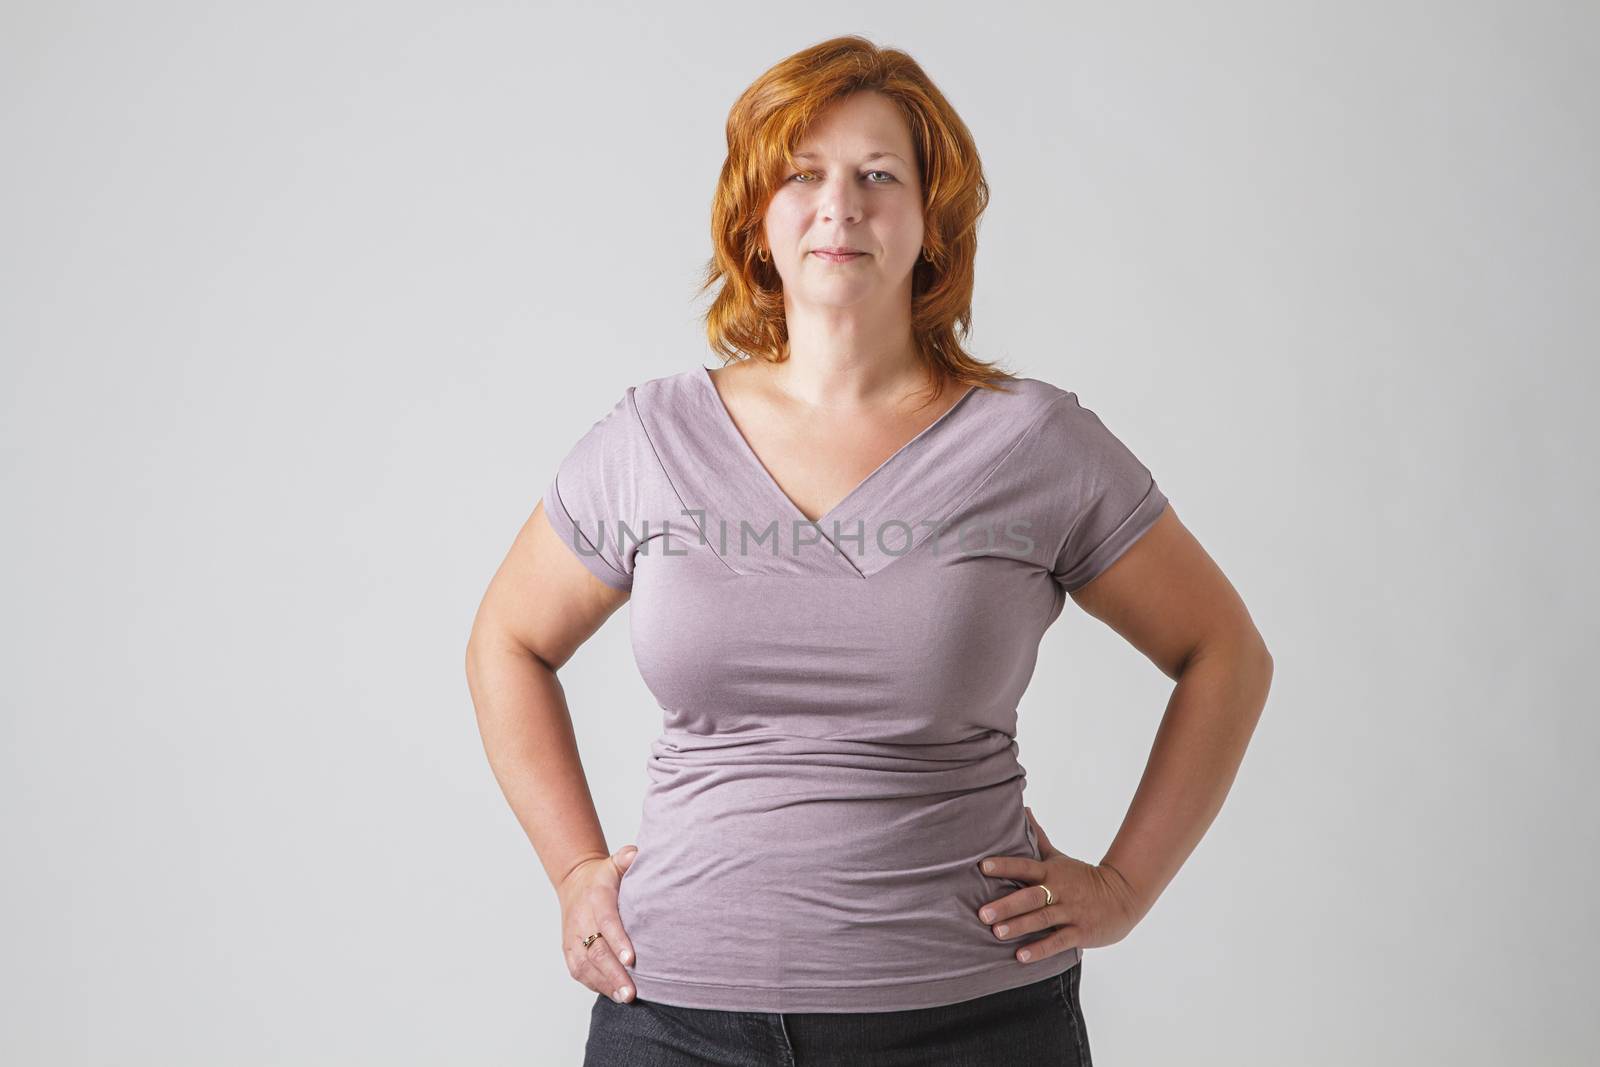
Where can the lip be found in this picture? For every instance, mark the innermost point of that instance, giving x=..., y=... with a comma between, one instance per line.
x=832, y=255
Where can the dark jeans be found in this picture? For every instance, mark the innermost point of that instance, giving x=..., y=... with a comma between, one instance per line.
x=1035, y=1025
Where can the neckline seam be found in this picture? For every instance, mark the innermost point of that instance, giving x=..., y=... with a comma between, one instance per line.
x=726, y=417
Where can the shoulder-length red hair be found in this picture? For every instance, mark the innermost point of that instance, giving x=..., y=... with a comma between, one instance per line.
x=765, y=125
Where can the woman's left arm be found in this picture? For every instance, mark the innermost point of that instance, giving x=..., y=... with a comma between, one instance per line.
x=1172, y=602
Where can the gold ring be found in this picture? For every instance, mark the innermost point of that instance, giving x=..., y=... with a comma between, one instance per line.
x=1049, y=898
x=590, y=939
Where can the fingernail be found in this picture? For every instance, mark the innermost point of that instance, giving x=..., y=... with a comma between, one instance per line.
x=988, y=865
x=1002, y=930
x=988, y=916
x=1024, y=955
x=627, y=957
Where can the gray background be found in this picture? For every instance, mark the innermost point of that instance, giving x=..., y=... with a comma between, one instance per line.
x=303, y=302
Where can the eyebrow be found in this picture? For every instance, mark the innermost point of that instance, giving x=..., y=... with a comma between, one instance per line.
x=868, y=159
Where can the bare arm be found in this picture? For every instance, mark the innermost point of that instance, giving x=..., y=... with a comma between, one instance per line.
x=1169, y=599
x=541, y=605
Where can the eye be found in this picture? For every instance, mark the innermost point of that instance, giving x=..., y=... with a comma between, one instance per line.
x=886, y=174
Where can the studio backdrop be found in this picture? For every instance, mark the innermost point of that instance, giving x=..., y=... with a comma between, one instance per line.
x=303, y=303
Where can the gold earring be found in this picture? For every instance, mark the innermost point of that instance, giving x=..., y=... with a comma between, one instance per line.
x=761, y=254
x=926, y=256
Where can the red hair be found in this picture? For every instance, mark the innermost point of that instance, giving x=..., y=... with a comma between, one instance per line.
x=765, y=125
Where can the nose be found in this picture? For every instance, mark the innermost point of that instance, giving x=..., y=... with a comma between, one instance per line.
x=840, y=199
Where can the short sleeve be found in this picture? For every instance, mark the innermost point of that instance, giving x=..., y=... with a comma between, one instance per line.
x=1109, y=498
x=592, y=500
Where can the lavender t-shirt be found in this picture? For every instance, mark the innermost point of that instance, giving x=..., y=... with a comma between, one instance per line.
x=840, y=700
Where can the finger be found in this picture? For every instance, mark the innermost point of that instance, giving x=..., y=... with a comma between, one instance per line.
x=1021, y=899
x=614, y=981
x=581, y=969
x=588, y=966
x=599, y=981
x=1065, y=937
x=1022, y=902
x=615, y=936
x=594, y=976
x=1029, y=922
x=1014, y=868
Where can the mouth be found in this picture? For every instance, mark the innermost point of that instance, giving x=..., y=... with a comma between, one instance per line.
x=838, y=255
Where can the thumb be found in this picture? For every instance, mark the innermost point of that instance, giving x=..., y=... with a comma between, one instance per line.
x=623, y=857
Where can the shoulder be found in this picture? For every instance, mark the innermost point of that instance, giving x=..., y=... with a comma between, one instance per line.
x=1037, y=410
x=628, y=414
x=1018, y=402
x=1066, y=452
x=664, y=395
x=1061, y=419
x=654, y=421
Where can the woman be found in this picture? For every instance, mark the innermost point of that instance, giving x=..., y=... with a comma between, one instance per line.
x=839, y=581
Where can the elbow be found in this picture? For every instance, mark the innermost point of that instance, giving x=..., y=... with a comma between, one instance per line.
x=489, y=651
x=478, y=657
x=1259, y=655
x=473, y=663
x=1260, y=667
x=1241, y=652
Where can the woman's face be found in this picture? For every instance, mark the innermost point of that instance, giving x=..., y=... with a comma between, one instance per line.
x=848, y=195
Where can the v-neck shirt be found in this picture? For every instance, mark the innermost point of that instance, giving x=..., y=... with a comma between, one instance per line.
x=839, y=698
x=823, y=519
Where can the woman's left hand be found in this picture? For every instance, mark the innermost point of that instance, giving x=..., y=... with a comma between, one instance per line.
x=1092, y=905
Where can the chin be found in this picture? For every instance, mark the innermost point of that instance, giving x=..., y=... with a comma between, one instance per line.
x=841, y=297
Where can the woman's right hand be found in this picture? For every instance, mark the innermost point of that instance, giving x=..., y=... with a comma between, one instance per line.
x=588, y=904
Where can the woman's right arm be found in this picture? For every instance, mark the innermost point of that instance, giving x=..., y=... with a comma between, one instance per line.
x=540, y=606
